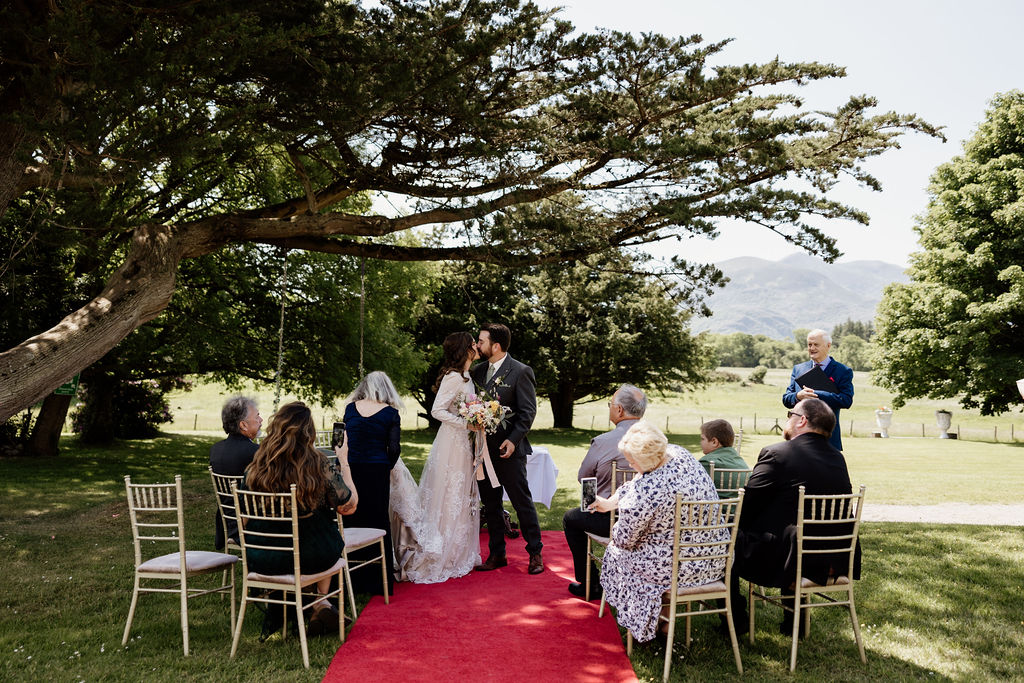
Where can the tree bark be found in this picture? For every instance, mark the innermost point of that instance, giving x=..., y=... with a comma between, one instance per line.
x=134, y=295
x=562, y=404
x=46, y=432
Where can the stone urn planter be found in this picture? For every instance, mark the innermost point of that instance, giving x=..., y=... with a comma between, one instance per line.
x=883, y=418
x=943, y=418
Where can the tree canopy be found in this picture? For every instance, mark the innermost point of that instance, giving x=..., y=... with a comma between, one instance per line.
x=160, y=131
x=955, y=330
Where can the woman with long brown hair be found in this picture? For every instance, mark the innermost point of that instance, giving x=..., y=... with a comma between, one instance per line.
x=437, y=524
x=288, y=456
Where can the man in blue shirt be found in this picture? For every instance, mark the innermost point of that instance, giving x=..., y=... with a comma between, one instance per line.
x=818, y=345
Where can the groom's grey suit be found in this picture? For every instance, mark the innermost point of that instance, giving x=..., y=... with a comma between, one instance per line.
x=514, y=386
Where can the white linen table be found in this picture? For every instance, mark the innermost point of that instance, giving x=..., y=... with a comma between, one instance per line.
x=541, y=475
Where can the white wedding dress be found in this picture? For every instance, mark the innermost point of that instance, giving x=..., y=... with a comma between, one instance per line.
x=436, y=526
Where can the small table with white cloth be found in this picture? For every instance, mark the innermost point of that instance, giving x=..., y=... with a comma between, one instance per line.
x=541, y=475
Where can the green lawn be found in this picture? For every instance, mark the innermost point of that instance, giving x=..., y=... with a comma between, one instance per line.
x=937, y=602
x=754, y=408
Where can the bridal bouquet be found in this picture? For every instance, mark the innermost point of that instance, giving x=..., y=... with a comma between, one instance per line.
x=480, y=410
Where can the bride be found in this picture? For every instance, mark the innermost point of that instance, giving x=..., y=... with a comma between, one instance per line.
x=436, y=526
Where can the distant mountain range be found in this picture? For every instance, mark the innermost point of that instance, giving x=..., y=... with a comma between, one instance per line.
x=800, y=291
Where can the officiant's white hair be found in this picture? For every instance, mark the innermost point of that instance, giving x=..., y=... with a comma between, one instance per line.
x=377, y=386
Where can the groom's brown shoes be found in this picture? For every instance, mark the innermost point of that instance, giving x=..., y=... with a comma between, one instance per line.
x=536, y=563
x=492, y=563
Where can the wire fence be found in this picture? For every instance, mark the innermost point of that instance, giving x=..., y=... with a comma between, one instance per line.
x=671, y=423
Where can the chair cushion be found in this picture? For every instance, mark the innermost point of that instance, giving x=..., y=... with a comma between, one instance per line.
x=603, y=540
x=195, y=561
x=289, y=579
x=713, y=587
x=358, y=536
x=832, y=581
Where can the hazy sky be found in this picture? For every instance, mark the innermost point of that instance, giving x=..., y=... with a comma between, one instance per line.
x=941, y=59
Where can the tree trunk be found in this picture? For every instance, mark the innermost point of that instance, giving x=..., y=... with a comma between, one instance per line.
x=46, y=432
x=562, y=403
x=135, y=294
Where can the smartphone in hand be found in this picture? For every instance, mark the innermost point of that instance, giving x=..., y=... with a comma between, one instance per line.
x=588, y=492
x=337, y=434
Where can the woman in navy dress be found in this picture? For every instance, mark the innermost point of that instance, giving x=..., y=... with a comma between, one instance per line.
x=372, y=433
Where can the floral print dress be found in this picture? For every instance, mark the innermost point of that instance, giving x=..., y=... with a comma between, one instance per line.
x=637, y=567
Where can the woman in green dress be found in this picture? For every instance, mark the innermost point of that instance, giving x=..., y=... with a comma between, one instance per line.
x=288, y=456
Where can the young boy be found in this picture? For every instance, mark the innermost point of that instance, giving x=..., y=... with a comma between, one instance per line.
x=716, y=439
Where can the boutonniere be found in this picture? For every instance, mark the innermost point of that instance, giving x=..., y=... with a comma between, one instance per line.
x=499, y=381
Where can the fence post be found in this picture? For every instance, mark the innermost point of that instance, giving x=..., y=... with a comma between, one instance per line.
x=666, y=427
x=591, y=423
x=922, y=430
x=851, y=427
x=995, y=433
x=755, y=423
x=741, y=423
x=195, y=421
x=958, y=432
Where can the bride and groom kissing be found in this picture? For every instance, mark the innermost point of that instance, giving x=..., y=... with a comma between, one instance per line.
x=436, y=525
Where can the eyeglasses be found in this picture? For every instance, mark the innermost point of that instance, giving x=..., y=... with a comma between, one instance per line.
x=791, y=413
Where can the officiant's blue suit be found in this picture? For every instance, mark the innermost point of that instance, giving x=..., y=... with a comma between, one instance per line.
x=843, y=398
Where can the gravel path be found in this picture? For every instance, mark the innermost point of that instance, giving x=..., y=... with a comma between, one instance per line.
x=945, y=513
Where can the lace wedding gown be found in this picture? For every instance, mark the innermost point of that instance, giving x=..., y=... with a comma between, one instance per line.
x=436, y=526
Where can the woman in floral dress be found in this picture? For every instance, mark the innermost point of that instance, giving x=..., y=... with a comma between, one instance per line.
x=637, y=566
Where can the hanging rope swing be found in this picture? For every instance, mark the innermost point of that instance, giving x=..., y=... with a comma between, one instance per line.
x=280, y=331
x=283, y=287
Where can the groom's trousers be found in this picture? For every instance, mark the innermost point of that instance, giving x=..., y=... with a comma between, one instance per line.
x=576, y=524
x=512, y=477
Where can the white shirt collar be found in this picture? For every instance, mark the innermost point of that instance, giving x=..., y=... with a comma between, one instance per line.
x=497, y=364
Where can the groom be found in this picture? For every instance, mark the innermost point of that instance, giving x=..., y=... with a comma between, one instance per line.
x=513, y=385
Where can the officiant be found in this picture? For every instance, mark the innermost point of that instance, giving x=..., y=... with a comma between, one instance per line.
x=821, y=377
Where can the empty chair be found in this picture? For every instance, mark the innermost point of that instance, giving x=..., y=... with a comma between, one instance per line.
x=270, y=522
x=619, y=477
x=826, y=525
x=697, y=537
x=158, y=522
x=363, y=537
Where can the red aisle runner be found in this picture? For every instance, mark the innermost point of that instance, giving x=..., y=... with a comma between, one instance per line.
x=503, y=625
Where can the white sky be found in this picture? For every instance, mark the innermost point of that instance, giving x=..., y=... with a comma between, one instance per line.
x=940, y=59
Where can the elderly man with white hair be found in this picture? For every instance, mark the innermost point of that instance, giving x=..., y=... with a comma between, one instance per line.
x=839, y=395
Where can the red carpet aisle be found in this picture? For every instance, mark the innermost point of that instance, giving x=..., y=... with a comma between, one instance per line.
x=497, y=626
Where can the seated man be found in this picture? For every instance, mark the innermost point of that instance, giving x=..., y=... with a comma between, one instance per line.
x=626, y=407
x=765, y=541
x=241, y=421
x=716, y=439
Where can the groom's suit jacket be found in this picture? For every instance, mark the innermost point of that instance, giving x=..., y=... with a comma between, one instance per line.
x=514, y=386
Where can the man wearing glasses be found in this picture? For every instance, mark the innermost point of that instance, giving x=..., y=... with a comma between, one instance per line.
x=765, y=542
x=627, y=406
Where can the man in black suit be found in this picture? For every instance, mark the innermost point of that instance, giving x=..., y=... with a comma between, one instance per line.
x=512, y=383
x=241, y=420
x=766, y=541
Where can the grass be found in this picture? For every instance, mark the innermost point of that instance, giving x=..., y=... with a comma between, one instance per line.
x=754, y=408
x=938, y=602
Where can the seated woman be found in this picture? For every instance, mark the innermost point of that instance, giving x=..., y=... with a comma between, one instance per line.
x=637, y=566
x=288, y=456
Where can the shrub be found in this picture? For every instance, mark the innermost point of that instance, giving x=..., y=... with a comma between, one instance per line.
x=757, y=375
